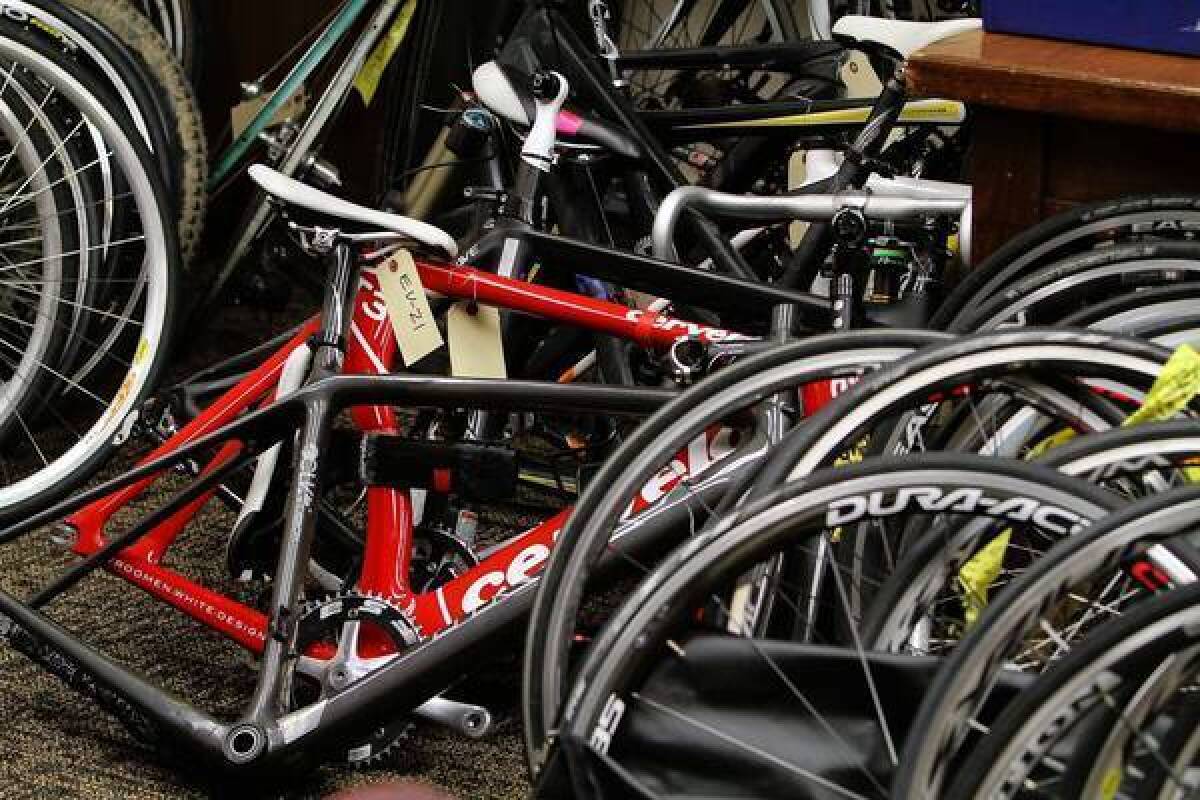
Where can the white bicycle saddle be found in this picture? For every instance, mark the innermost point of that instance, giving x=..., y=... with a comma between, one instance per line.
x=293, y=192
x=900, y=36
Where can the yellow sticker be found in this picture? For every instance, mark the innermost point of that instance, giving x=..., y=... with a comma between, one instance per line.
x=476, y=344
x=369, y=75
x=416, y=330
x=1173, y=390
x=859, y=76
x=244, y=112
x=979, y=574
x=143, y=350
x=1111, y=783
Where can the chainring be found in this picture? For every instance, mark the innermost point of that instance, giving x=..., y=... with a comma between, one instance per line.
x=339, y=622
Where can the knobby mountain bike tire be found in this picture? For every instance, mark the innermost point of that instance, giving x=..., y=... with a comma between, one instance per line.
x=181, y=23
x=190, y=150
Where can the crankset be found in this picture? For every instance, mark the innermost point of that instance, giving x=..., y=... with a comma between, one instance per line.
x=339, y=641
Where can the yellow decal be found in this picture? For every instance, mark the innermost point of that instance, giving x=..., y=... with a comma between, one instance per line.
x=368, y=77
x=1111, y=784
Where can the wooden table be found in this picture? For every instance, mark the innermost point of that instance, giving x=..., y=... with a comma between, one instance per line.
x=1058, y=123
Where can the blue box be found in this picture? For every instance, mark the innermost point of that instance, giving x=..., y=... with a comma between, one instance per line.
x=1171, y=26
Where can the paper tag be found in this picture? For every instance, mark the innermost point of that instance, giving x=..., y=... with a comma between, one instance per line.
x=371, y=72
x=244, y=113
x=859, y=76
x=417, y=333
x=476, y=344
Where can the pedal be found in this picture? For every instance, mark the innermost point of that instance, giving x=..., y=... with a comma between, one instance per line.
x=468, y=719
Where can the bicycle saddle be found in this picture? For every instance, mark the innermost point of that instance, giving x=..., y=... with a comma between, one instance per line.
x=899, y=37
x=293, y=192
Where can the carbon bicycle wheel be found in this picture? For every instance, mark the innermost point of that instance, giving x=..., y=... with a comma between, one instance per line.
x=554, y=618
x=1077, y=230
x=1038, y=606
x=1115, y=717
x=892, y=399
x=1057, y=290
x=655, y=707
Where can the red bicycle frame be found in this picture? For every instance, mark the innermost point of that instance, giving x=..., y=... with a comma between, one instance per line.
x=371, y=350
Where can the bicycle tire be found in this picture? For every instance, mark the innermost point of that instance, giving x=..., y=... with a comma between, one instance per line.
x=627, y=469
x=777, y=522
x=1046, y=295
x=181, y=24
x=814, y=444
x=190, y=150
x=967, y=675
x=1063, y=235
x=160, y=256
x=1121, y=653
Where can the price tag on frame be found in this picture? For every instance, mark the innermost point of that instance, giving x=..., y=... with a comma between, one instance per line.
x=416, y=330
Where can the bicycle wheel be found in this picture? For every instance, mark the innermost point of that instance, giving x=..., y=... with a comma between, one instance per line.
x=648, y=26
x=181, y=25
x=643, y=454
x=1086, y=227
x=1093, y=725
x=981, y=362
x=1035, y=611
x=1057, y=290
x=836, y=717
x=188, y=153
x=116, y=340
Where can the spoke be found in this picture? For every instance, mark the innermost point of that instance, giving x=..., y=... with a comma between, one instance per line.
x=42, y=166
x=60, y=376
x=755, y=751
x=73, y=252
x=11, y=206
x=848, y=750
x=860, y=651
x=1144, y=739
x=32, y=440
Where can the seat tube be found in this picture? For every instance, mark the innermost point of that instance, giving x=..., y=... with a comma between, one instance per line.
x=300, y=515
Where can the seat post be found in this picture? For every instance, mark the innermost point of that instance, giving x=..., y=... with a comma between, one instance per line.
x=342, y=270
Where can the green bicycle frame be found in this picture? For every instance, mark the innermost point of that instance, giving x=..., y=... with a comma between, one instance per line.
x=298, y=74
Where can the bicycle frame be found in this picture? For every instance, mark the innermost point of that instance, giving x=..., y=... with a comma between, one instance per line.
x=458, y=610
